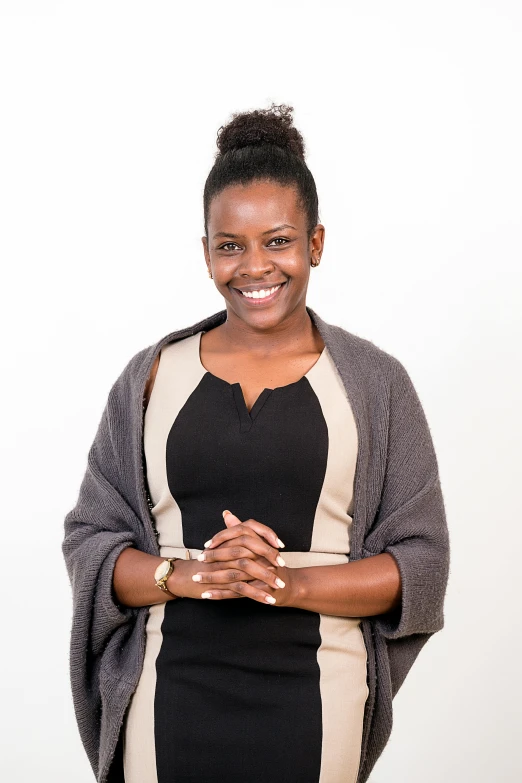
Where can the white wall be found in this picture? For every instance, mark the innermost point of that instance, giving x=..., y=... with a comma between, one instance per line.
x=411, y=112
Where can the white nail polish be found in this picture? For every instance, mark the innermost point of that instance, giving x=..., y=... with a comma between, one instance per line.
x=208, y=543
x=279, y=559
x=201, y=557
x=280, y=543
x=270, y=599
x=280, y=582
x=206, y=595
x=197, y=577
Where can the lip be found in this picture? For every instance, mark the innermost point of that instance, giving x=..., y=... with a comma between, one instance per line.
x=259, y=302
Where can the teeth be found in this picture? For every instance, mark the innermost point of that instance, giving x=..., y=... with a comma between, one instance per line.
x=260, y=294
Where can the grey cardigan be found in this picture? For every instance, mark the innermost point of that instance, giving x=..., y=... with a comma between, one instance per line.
x=398, y=508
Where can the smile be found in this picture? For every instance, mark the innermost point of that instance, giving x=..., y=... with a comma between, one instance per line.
x=261, y=296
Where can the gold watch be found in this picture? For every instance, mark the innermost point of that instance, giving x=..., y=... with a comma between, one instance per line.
x=162, y=573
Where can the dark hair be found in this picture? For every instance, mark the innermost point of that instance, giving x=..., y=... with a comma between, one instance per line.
x=262, y=145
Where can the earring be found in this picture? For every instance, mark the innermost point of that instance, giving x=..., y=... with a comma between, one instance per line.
x=315, y=263
x=210, y=274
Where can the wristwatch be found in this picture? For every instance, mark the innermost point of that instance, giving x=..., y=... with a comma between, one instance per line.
x=162, y=573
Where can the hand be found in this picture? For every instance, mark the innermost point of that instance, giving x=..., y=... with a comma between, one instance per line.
x=243, y=564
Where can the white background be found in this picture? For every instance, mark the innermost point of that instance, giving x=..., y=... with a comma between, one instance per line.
x=412, y=116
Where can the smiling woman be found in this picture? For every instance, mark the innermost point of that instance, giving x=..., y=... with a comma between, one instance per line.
x=260, y=428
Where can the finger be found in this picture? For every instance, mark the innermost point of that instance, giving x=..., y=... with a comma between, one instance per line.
x=219, y=595
x=242, y=545
x=226, y=534
x=263, y=596
x=230, y=519
x=245, y=569
x=265, y=532
x=241, y=590
x=262, y=530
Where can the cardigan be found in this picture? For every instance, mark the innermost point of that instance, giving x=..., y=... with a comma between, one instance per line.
x=398, y=507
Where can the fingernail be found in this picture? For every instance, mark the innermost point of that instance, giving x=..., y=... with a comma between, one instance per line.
x=226, y=512
x=208, y=543
x=278, y=582
x=206, y=595
x=201, y=556
x=280, y=543
x=197, y=577
x=270, y=599
x=279, y=560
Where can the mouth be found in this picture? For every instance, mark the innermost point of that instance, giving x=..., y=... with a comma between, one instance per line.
x=262, y=296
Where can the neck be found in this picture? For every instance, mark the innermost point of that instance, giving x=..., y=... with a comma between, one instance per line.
x=294, y=334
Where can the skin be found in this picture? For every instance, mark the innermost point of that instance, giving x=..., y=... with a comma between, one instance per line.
x=261, y=347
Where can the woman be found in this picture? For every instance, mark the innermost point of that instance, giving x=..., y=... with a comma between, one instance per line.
x=259, y=429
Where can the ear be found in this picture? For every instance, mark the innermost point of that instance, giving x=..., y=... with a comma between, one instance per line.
x=317, y=240
x=206, y=252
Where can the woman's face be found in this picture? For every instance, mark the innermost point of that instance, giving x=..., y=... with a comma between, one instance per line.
x=257, y=240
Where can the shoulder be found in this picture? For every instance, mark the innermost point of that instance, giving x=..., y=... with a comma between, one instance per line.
x=139, y=373
x=352, y=350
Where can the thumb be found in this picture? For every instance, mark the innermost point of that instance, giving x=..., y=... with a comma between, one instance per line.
x=230, y=518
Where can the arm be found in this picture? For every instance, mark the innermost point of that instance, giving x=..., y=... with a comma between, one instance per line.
x=371, y=586
x=402, y=576
x=134, y=583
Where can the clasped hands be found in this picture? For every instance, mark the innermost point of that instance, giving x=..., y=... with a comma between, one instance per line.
x=242, y=561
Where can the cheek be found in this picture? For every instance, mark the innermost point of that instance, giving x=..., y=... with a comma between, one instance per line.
x=297, y=267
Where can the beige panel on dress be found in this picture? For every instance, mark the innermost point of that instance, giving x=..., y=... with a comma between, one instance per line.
x=166, y=400
x=342, y=655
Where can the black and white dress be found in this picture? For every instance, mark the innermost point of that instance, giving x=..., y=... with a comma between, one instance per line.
x=237, y=690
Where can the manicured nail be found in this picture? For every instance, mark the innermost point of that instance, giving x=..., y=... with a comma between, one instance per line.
x=279, y=560
x=226, y=512
x=208, y=543
x=278, y=582
x=280, y=543
x=197, y=577
x=270, y=599
x=201, y=556
x=206, y=595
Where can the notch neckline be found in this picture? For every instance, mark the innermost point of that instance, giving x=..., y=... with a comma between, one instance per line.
x=246, y=416
x=237, y=383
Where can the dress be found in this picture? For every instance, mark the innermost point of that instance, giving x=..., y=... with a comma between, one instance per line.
x=236, y=690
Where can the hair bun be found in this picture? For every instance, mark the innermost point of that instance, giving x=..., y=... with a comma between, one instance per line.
x=261, y=126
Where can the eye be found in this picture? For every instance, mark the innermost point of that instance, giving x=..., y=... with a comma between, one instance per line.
x=227, y=244
x=279, y=239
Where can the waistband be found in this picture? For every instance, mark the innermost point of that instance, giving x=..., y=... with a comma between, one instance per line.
x=292, y=559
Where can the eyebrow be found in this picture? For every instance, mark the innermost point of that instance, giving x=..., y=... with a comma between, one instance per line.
x=270, y=231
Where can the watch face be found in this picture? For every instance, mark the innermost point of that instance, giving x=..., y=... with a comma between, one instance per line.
x=162, y=570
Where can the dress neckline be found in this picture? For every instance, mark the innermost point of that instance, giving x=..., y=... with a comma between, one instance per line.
x=285, y=386
x=247, y=417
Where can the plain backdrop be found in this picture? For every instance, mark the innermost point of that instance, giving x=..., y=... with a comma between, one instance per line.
x=412, y=117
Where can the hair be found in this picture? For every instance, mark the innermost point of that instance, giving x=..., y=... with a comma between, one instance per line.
x=262, y=145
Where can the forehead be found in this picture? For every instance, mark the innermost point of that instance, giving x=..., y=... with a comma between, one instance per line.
x=255, y=207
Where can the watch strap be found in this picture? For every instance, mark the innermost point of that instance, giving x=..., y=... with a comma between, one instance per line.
x=162, y=583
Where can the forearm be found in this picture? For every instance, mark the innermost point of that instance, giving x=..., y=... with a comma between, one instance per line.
x=361, y=588
x=133, y=579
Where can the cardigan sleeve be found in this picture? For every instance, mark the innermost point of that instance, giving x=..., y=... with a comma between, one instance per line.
x=410, y=523
x=99, y=527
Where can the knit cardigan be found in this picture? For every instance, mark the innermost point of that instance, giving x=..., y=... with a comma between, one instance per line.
x=398, y=508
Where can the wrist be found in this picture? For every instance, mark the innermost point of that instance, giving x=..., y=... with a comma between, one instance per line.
x=175, y=582
x=296, y=588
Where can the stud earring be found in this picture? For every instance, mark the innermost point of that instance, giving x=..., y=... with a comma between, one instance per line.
x=210, y=274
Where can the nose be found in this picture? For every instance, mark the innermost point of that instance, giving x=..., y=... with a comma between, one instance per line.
x=255, y=263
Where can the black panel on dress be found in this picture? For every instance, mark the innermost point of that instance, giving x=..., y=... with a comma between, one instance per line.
x=273, y=471
x=237, y=695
